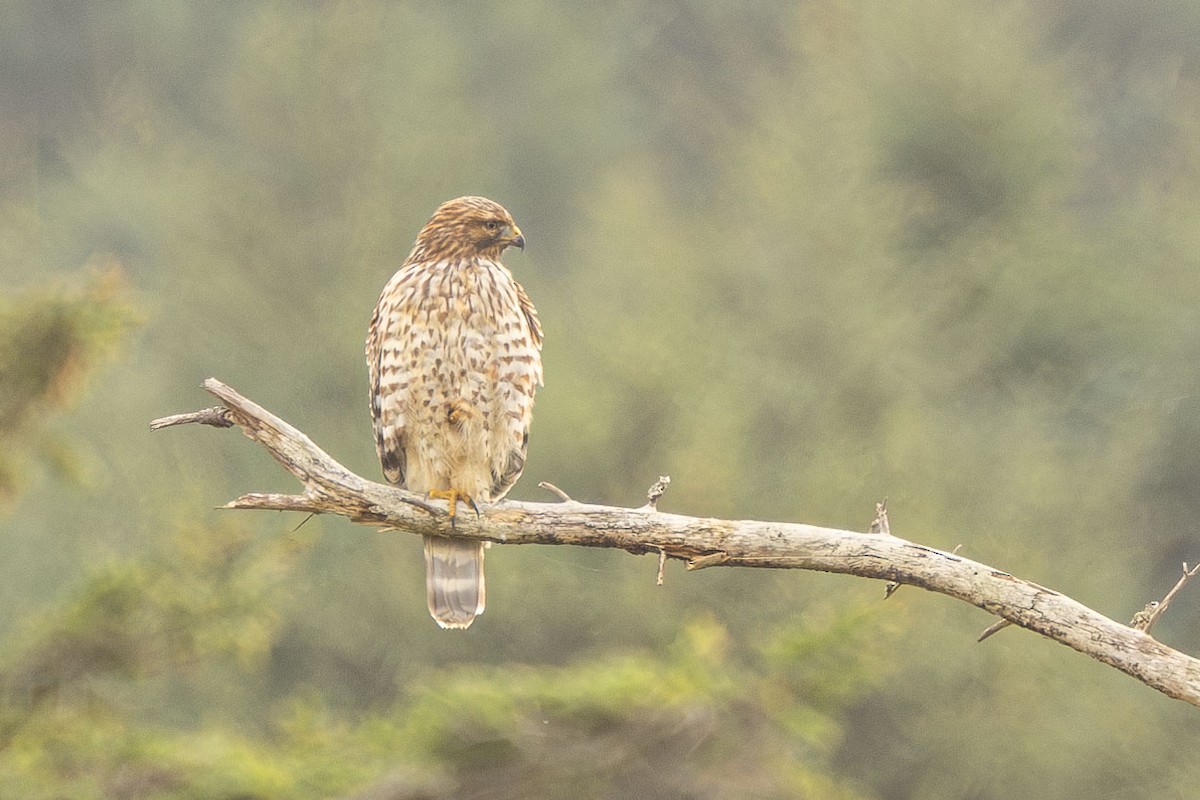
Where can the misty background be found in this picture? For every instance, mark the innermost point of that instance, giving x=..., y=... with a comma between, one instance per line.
x=798, y=256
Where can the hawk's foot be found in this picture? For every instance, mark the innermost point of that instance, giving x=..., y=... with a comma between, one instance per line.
x=452, y=496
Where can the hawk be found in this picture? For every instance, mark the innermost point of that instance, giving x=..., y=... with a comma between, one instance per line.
x=454, y=354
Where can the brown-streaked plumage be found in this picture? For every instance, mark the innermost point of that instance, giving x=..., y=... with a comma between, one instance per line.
x=454, y=354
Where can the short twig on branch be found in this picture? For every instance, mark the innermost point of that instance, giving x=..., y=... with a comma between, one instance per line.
x=995, y=627
x=550, y=487
x=330, y=488
x=216, y=416
x=709, y=560
x=656, y=491
x=1144, y=620
x=880, y=524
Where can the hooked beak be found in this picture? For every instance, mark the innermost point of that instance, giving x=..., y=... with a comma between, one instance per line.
x=516, y=238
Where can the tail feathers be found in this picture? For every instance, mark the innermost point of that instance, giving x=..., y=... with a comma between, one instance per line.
x=454, y=580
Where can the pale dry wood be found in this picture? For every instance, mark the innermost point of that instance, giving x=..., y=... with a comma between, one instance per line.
x=216, y=416
x=550, y=487
x=330, y=488
x=994, y=628
x=1144, y=620
x=655, y=493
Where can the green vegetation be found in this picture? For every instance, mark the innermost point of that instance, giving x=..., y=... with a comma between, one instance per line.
x=49, y=340
x=798, y=256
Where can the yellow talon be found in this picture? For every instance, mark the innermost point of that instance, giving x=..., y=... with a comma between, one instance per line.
x=452, y=496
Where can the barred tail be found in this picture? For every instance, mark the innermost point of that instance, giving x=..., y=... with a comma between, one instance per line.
x=454, y=580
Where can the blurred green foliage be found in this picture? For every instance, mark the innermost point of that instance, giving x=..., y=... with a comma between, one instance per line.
x=50, y=339
x=81, y=715
x=798, y=256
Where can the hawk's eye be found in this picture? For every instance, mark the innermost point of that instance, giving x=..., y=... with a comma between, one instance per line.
x=491, y=225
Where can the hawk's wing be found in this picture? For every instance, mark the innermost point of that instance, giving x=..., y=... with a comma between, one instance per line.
x=531, y=317
x=508, y=468
x=387, y=415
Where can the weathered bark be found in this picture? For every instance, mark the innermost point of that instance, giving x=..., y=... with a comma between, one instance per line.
x=330, y=488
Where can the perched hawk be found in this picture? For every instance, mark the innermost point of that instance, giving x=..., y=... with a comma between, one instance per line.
x=454, y=357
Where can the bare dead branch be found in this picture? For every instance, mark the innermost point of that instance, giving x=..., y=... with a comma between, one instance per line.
x=995, y=627
x=1141, y=620
x=216, y=416
x=709, y=560
x=550, y=487
x=655, y=492
x=329, y=488
x=880, y=524
x=1144, y=620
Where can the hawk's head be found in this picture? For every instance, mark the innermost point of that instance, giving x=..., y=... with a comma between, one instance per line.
x=468, y=226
